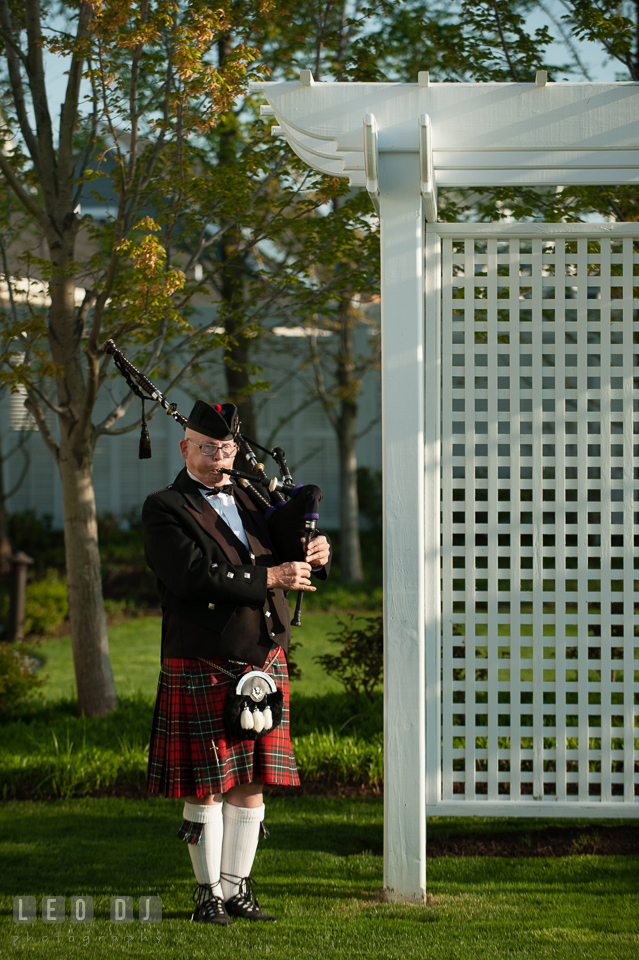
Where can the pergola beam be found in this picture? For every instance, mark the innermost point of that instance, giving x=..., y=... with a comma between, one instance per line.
x=483, y=134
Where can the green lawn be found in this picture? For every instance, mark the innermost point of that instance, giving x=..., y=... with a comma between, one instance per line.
x=135, y=657
x=320, y=873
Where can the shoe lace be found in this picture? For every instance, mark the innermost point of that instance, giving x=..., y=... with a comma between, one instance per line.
x=246, y=892
x=207, y=901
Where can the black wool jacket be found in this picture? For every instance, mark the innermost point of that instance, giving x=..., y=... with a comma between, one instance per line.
x=213, y=592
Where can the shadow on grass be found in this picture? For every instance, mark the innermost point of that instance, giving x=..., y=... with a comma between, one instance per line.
x=112, y=846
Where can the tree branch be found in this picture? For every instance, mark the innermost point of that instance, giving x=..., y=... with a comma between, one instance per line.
x=26, y=199
x=69, y=109
x=614, y=206
x=320, y=386
x=372, y=423
x=59, y=411
x=608, y=47
x=567, y=39
x=86, y=154
x=513, y=72
x=288, y=417
x=14, y=53
x=38, y=87
x=25, y=467
x=34, y=408
x=5, y=269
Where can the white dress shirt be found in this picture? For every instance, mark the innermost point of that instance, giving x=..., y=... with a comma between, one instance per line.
x=225, y=506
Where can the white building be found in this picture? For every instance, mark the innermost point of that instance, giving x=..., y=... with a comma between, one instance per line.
x=122, y=481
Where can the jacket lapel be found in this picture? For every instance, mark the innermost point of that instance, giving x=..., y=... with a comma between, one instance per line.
x=212, y=523
x=189, y=490
x=255, y=524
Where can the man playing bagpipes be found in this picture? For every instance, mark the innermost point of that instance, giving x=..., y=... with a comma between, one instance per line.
x=221, y=722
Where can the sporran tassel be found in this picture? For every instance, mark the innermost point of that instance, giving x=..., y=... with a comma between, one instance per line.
x=246, y=718
x=258, y=721
x=145, y=439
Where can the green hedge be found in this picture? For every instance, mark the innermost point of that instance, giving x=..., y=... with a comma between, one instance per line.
x=52, y=753
x=332, y=757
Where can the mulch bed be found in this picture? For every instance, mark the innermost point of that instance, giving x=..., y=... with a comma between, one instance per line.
x=326, y=788
x=551, y=842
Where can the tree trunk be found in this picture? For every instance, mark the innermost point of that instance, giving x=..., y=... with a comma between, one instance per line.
x=96, y=688
x=74, y=454
x=351, y=554
x=236, y=354
x=234, y=269
x=348, y=387
x=238, y=380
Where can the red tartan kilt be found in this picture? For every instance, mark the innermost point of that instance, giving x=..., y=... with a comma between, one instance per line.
x=189, y=719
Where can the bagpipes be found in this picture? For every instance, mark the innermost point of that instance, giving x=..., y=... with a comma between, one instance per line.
x=291, y=509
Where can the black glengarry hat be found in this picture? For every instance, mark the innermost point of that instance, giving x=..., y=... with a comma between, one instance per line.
x=219, y=421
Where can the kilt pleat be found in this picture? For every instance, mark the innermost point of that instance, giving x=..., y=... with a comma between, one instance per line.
x=191, y=753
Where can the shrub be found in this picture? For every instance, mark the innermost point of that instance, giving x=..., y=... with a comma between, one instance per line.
x=47, y=604
x=359, y=664
x=337, y=712
x=18, y=680
x=328, y=757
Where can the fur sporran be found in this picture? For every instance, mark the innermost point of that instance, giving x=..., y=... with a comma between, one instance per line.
x=254, y=708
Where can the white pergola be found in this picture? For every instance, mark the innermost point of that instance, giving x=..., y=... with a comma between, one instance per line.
x=400, y=142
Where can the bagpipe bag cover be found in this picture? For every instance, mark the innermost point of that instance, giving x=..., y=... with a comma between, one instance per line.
x=287, y=521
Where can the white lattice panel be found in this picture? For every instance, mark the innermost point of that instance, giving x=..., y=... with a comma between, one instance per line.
x=540, y=482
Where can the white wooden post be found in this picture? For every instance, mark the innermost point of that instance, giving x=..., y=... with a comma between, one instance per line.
x=403, y=471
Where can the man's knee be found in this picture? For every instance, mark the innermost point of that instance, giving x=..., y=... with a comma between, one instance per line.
x=246, y=794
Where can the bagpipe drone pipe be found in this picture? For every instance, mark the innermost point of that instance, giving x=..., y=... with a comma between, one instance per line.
x=291, y=510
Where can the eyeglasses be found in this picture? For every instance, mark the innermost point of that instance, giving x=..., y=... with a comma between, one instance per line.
x=210, y=449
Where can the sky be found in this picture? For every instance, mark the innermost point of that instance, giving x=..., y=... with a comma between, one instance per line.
x=598, y=65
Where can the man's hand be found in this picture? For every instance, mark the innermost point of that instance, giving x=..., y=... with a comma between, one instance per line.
x=289, y=576
x=318, y=551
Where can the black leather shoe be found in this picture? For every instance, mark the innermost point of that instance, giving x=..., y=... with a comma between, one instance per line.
x=209, y=908
x=245, y=904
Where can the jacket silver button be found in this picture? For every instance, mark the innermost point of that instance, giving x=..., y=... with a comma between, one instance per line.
x=230, y=575
x=247, y=576
x=268, y=613
x=271, y=634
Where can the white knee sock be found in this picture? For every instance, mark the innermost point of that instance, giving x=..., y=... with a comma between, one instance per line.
x=241, y=833
x=206, y=855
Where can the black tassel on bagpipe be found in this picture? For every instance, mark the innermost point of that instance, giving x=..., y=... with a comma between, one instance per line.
x=145, y=439
x=135, y=380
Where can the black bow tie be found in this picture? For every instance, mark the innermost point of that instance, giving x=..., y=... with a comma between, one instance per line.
x=213, y=491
